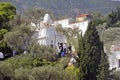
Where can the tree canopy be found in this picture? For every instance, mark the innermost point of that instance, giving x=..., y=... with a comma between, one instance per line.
x=114, y=18
x=19, y=38
x=7, y=12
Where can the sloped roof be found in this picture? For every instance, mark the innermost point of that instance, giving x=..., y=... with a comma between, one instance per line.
x=82, y=15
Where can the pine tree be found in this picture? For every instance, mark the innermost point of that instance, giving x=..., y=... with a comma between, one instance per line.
x=90, y=55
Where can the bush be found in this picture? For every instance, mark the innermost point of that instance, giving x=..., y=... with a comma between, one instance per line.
x=2, y=32
x=41, y=62
x=64, y=62
x=73, y=71
x=21, y=67
x=49, y=73
x=19, y=38
x=22, y=73
x=6, y=71
x=10, y=67
x=43, y=52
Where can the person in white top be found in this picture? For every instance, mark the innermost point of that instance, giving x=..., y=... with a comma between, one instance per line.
x=64, y=47
x=1, y=55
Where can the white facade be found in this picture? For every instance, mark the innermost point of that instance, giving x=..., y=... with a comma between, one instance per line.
x=67, y=23
x=114, y=60
x=47, y=34
x=64, y=22
x=80, y=25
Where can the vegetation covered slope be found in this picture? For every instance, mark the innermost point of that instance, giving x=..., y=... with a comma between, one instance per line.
x=67, y=6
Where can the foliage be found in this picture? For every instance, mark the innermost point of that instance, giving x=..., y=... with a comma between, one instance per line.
x=63, y=62
x=59, y=28
x=23, y=60
x=22, y=73
x=42, y=52
x=2, y=32
x=110, y=37
x=5, y=49
x=91, y=54
x=73, y=71
x=101, y=28
x=6, y=71
x=10, y=67
x=36, y=15
x=21, y=67
x=104, y=72
x=49, y=73
x=19, y=38
x=41, y=62
x=113, y=18
x=98, y=19
x=7, y=12
x=3, y=45
x=19, y=20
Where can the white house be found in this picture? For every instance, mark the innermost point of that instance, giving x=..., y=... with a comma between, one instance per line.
x=80, y=25
x=114, y=58
x=81, y=22
x=47, y=34
x=64, y=22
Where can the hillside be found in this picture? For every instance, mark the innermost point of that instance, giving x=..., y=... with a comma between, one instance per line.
x=67, y=6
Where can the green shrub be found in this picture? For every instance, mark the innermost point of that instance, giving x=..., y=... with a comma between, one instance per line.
x=22, y=73
x=41, y=62
x=49, y=73
x=6, y=71
x=43, y=52
x=73, y=71
x=10, y=67
x=63, y=62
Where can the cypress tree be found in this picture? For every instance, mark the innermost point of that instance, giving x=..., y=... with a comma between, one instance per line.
x=91, y=54
x=103, y=71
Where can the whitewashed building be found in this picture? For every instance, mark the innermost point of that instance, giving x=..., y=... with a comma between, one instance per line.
x=81, y=22
x=47, y=34
x=114, y=58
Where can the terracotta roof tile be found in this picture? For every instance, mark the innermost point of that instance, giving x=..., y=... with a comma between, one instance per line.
x=81, y=15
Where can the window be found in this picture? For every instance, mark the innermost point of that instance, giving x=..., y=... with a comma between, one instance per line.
x=119, y=63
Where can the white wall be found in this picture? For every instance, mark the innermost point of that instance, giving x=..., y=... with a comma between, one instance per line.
x=42, y=33
x=81, y=25
x=48, y=36
x=64, y=23
x=113, y=60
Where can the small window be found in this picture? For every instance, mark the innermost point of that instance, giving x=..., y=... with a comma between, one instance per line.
x=119, y=63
